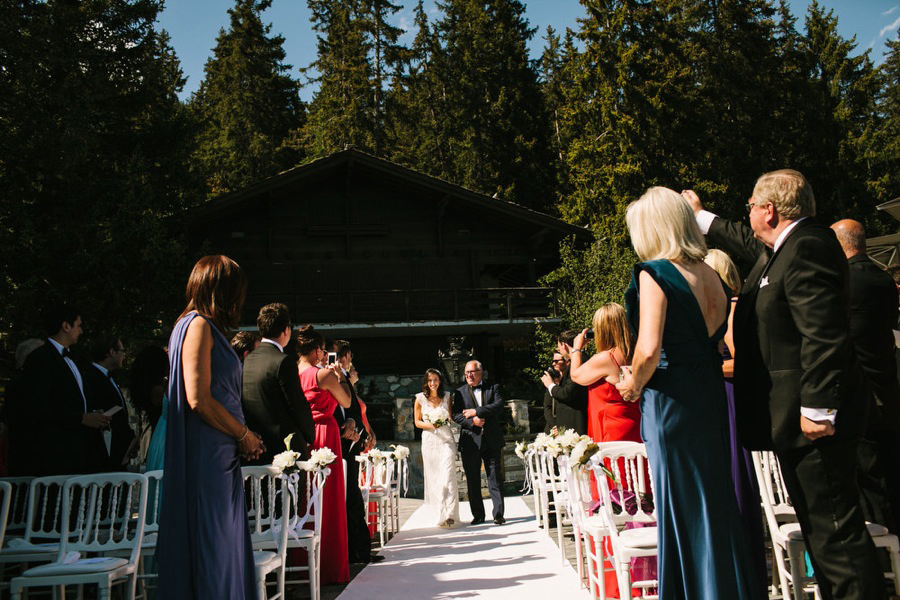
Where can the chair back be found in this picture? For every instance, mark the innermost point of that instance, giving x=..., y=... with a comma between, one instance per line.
x=631, y=481
x=578, y=490
x=43, y=521
x=154, y=497
x=103, y=513
x=308, y=504
x=772, y=491
x=5, y=498
x=17, y=519
x=268, y=506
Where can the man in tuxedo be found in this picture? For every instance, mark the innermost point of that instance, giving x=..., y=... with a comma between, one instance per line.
x=55, y=405
x=478, y=409
x=569, y=400
x=873, y=316
x=103, y=394
x=273, y=400
x=798, y=387
x=354, y=439
x=553, y=374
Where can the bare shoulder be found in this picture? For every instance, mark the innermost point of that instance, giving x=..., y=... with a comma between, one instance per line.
x=198, y=331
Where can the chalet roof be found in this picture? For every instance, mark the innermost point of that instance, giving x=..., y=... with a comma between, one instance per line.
x=365, y=164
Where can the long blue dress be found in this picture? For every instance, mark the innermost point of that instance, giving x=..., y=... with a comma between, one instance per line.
x=204, y=550
x=703, y=553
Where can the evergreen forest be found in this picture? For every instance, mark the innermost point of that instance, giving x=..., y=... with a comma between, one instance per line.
x=99, y=155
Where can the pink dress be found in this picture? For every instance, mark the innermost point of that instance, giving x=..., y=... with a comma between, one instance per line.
x=334, y=559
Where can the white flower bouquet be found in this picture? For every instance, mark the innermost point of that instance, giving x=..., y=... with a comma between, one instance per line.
x=400, y=451
x=286, y=462
x=521, y=449
x=376, y=455
x=584, y=450
x=436, y=416
x=321, y=458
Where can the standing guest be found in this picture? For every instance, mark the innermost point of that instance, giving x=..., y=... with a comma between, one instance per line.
x=245, y=342
x=569, y=398
x=679, y=308
x=610, y=418
x=478, y=409
x=354, y=438
x=746, y=488
x=103, y=393
x=557, y=365
x=798, y=388
x=873, y=316
x=204, y=546
x=57, y=421
x=14, y=413
x=273, y=401
x=149, y=382
x=322, y=387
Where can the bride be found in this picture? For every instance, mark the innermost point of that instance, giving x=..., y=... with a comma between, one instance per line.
x=432, y=413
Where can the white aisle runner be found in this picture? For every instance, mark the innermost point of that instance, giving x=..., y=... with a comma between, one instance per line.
x=514, y=560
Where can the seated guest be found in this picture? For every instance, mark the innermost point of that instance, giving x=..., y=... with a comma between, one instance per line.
x=568, y=397
x=244, y=342
x=103, y=393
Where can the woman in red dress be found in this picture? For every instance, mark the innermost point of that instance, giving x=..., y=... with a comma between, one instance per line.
x=322, y=387
x=610, y=418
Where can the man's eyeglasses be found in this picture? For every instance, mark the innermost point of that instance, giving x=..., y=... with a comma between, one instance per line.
x=558, y=360
x=750, y=206
x=472, y=372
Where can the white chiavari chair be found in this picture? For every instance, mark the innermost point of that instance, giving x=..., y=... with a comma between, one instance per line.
x=269, y=513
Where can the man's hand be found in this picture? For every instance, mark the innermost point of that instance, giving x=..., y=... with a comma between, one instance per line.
x=469, y=413
x=478, y=422
x=814, y=430
x=693, y=199
x=547, y=380
x=353, y=376
x=96, y=420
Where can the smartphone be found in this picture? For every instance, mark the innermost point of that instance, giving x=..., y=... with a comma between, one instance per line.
x=332, y=358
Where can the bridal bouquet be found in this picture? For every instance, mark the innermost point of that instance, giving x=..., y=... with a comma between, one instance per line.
x=436, y=416
x=321, y=458
x=286, y=462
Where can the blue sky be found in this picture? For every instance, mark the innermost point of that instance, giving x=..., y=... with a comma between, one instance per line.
x=194, y=24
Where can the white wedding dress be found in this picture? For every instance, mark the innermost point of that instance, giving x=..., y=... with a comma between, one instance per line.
x=439, y=465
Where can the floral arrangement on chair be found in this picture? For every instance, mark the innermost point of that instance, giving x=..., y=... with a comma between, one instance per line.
x=286, y=462
x=400, y=451
x=320, y=458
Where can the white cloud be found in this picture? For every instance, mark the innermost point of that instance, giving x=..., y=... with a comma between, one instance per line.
x=888, y=28
x=890, y=11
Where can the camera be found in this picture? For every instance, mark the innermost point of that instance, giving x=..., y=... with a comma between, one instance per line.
x=589, y=334
x=552, y=372
x=332, y=358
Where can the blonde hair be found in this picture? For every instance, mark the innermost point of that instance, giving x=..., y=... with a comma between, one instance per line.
x=722, y=264
x=611, y=330
x=662, y=225
x=789, y=191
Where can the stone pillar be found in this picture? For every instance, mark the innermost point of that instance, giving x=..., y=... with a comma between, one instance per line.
x=404, y=419
x=519, y=425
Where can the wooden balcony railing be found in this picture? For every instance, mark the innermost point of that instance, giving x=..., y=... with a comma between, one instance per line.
x=397, y=306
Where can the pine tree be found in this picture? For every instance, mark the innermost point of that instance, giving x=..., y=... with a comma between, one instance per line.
x=247, y=104
x=93, y=142
x=883, y=151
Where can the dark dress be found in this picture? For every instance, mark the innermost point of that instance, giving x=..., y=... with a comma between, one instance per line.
x=204, y=549
x=703, y=552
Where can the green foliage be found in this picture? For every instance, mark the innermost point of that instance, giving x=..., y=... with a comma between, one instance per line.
x=247, y=105
x=93, y=148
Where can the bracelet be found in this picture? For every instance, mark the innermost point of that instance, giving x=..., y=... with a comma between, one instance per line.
x=246, y=431
x=575, y=350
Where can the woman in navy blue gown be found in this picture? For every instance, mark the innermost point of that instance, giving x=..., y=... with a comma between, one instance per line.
x=679, y=308
x=204, y=549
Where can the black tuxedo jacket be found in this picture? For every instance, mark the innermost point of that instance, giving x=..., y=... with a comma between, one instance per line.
x=571, y=404
x=873, y=316
x=102, y=395
x=53, y=409
x=791, y=336
x=274, y=404
x=490, y=437
x=354, y=411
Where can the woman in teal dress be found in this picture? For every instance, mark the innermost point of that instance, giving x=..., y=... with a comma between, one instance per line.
x=679, y=308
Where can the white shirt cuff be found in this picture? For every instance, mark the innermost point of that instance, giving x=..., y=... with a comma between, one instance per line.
x=550, y=389
x=819, y=414
x=704, y=220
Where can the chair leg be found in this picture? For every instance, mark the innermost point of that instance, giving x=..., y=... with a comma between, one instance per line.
x=261, y=585
x=798, y=568
x=623, y=575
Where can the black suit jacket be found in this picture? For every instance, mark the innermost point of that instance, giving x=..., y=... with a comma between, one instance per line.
x=53, y=408
x=792, y=336
x=873, y=316
x=274, y=404
x=490, y=437
x=102, y=395
x=354, y=411
x=571, y=404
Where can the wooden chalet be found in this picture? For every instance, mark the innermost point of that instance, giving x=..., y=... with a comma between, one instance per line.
x=391, y=259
